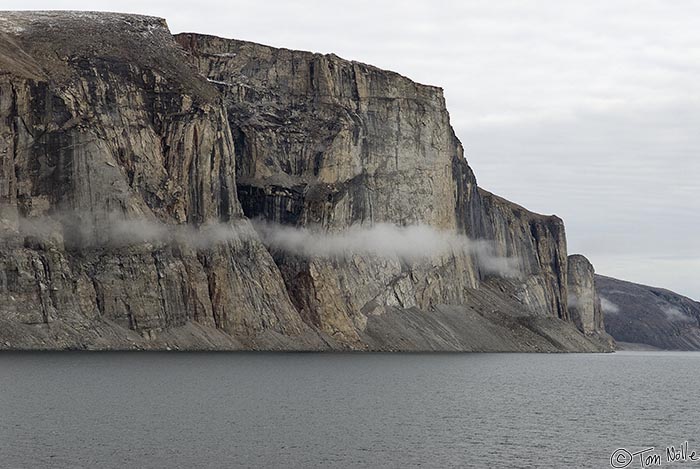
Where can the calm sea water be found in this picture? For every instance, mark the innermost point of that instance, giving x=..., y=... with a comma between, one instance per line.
x=343, y=410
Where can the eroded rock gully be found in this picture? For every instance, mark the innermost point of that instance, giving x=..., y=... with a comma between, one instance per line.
x=106, y=114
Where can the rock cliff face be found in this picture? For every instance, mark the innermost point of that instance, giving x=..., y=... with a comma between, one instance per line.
x=325, y=141
x=642, y=315
x=103, y=118
x=113, y=140
x=584, y=303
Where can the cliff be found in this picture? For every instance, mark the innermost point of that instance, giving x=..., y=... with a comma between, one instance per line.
x=584, y=301
x=101, y=119
x=131, y=165
x=641, y=315
x=325, y=141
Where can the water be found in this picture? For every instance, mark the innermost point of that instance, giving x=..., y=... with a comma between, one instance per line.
x=345, y=410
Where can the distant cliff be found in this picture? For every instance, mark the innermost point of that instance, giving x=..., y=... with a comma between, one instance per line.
x=130, y=165
x=650, y=316
x=585, y=306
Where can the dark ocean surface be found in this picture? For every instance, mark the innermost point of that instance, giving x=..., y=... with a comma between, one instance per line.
x=218, y=410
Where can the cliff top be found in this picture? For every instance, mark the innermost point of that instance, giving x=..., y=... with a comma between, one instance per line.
x=517, y=208
x=38, y=43
x=226, y=48
x=622, y=285
x=580, y=258
x=76, y=27
x=52, y=41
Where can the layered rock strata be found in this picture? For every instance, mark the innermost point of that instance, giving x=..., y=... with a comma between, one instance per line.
x=113, y=137
x=584, y=302
x=334, y=143
x=101, y=116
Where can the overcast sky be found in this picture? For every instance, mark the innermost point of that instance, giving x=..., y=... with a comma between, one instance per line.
x=587, y=109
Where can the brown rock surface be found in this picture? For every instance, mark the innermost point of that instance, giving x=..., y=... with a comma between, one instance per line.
x=102, y=117
x=584, y=302
x=330, y=142
x=105, y=117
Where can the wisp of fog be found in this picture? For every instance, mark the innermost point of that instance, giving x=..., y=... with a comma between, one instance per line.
x=410, y=243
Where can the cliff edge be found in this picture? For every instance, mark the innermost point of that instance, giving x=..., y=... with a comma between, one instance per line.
x=131, y=164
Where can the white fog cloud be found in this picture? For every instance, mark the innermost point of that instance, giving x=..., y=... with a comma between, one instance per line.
x=608, y=306
x=413, y=243
x=574, y=301
x=675, y=314
x=89, y=230
x=406, y=242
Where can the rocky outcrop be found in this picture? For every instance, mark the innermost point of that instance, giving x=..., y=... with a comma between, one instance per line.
x=649, y=316
x=538, y=243
x=129, y=167
x=583, y=301
x=103, y=118
x=325, y=141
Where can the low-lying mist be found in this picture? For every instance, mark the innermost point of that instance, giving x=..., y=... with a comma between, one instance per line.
x=385, y=240
x=608, y=306
x=411, y=243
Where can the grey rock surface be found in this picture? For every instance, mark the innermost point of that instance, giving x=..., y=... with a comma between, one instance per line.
x=644, y=316
x=325, y=141
x=101, y=116
x=584, y=302
x=106, y=117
